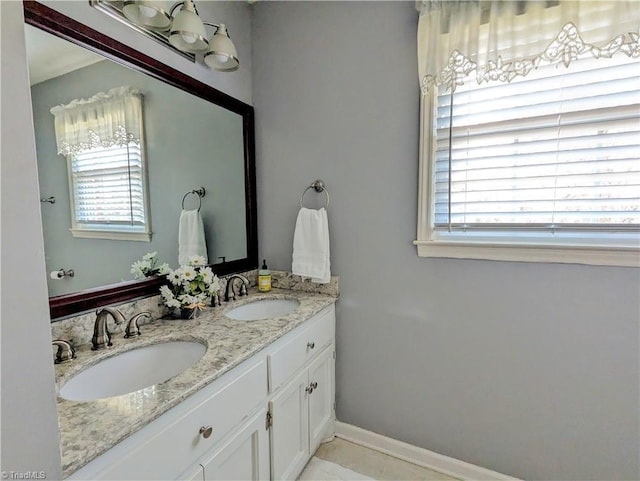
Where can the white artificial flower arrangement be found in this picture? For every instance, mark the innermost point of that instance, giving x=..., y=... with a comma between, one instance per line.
x=148, y=266
x=190, y=286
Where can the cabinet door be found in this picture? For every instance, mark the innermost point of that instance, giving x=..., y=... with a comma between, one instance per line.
x=300, y=347
x=244, y=456
x=321, y=375
x=290, y=429
x=194, y=474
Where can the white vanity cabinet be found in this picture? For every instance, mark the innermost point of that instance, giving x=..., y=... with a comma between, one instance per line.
x=261, y=420
x=208, y=420
x=302, y=404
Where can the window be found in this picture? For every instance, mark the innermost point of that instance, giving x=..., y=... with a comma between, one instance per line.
x=107, y=186
x=545, y=167
x=101, y=138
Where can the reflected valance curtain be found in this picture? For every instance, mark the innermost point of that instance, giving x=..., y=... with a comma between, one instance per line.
x=104, y=120
x=499, y=40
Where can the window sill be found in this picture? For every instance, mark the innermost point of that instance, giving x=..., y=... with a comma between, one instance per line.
x=111, y=235
x=589, y=255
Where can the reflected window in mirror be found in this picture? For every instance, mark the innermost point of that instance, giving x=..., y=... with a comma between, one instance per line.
x=218, y=154
x=102, y=140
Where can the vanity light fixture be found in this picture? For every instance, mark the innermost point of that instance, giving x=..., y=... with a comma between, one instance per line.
x=186, y=30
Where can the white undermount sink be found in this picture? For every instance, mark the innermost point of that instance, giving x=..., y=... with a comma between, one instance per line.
x=132, y=370
x=263, y=309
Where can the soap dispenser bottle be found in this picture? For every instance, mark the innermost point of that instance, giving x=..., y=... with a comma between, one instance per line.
x=264, y=278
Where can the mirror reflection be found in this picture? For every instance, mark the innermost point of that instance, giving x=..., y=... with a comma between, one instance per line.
x=188, y=144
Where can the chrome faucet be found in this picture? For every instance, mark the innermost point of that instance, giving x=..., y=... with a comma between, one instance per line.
x=101, y=335
x=65, y=351
x=243, y=288
x=133, y=329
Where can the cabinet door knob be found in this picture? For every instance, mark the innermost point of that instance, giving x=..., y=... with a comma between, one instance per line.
x=206, y=431
x=311, y=345
x=314, y=385
x=309, y=389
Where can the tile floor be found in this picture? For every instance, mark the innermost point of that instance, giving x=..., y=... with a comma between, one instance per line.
x=341, y=460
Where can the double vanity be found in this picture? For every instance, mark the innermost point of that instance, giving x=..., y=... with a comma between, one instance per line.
x=245, y=391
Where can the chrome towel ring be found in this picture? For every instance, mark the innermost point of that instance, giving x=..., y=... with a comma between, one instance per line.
x=318, y=186
x=199, y=192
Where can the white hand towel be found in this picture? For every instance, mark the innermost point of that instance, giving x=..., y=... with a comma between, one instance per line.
x=191, y=239
x=311, y=246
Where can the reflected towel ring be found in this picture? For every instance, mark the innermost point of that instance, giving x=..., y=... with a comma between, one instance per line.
x=318, y=186
x=199, y=192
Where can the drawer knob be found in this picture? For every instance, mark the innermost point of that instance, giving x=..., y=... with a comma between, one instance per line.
x=311, y=345
x=309, y=389
x=206, y=431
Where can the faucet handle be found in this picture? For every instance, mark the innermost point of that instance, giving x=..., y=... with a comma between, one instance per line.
x=65, y=352
x=215, y=299
x=133, y=329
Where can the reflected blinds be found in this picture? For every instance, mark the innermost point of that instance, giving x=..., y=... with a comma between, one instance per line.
x=108, y=186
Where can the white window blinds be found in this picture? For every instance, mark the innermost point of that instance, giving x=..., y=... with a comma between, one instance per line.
x=108, y=186
x=530, y=130
x=557, y=149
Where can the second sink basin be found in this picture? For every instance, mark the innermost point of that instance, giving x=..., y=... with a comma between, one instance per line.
x=263, y=309
x=132, y=370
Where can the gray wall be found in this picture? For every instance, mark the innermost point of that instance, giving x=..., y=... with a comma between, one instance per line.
x=30, y=438
x=188, y=143
x=30, y=434
x=527, y=369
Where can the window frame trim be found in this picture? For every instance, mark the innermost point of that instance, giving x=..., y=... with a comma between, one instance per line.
x=78, y=229
x=428, y=244
x=110, y=235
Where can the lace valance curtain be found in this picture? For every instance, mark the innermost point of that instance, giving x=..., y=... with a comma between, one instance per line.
x=104, y=120
x=499, y=40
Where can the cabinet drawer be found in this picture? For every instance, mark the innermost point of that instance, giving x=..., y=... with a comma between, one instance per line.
x=285, y=360
x=226, y=409
x=164, y=454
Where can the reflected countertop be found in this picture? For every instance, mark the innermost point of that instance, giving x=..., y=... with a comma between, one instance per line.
x=88, y=429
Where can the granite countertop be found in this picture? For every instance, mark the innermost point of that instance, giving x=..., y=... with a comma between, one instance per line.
x=88, y=429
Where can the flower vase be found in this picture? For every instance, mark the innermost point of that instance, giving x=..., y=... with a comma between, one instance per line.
x=189, y=312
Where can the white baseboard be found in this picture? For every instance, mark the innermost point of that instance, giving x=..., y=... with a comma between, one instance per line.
x=413, y=454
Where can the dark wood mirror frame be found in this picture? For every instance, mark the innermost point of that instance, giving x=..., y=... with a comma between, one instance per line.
x=62, y=26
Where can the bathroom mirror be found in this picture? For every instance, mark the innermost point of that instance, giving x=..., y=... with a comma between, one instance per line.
x=216, y=152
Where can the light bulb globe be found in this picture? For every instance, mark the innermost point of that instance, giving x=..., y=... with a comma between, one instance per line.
x=188, y=33
x=222, y=54
x=151, y=14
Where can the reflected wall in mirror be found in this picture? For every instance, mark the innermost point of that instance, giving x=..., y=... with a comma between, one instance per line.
x=194, y=136
x=188, y=144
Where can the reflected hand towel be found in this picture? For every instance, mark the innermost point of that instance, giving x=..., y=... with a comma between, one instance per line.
x=311, y=246
x=191, y=239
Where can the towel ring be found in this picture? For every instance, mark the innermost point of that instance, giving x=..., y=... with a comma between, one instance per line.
x=199, y=192
x=318, y=186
